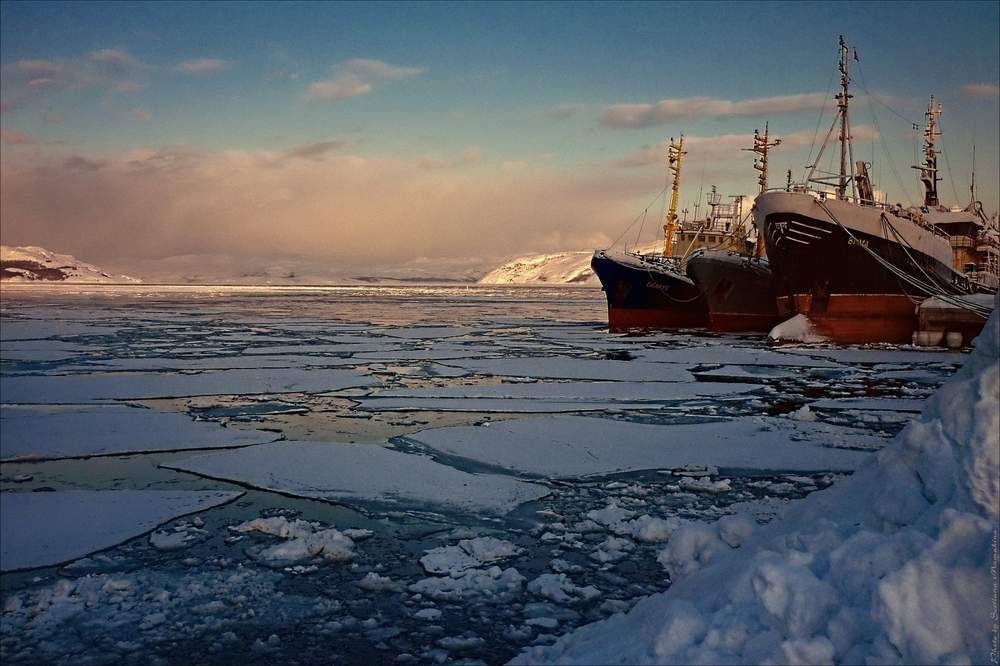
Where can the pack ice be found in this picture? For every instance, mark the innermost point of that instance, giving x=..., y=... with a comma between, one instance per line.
x=890, y=566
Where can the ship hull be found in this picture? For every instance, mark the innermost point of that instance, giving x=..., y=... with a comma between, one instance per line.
x=830, y=262
x=738, y=291
x=647, y=296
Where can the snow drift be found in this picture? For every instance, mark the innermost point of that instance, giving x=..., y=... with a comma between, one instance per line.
x=890, y=566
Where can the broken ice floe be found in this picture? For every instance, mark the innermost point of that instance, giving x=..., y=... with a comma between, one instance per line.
x=75, y=389
x=563, y=367
x=44, y=528
x=363, y=473
x=302, y=541
x=45, y=432
x=566, y=446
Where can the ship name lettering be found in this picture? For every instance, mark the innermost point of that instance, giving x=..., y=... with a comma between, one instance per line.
x=863, y=243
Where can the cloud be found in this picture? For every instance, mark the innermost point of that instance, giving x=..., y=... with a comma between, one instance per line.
x=357, y=77
x=15, y=138
x=79, y=163
x=140, y=114
x=647, y=115
x=203, y=66
x=333, y=90
x=987, y=90
x=112, y=69
x=317, y=150
x=343, y=211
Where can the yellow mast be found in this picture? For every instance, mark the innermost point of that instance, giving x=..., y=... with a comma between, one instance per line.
x=674, y=153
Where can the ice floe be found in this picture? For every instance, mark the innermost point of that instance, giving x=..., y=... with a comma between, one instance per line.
x=75, y=389
x=563, y=367
x=363, y=473
x=566, y=446
x=40, y=529
x=45, y=432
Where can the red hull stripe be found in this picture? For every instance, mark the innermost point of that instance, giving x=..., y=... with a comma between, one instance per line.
x=858, y=318
x=624, y=319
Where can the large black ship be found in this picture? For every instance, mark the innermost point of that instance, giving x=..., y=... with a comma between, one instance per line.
x=856, y=267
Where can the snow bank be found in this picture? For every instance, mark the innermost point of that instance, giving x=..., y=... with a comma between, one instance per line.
x=889, y=566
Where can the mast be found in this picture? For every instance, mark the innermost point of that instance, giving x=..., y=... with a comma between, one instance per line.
x=842, y=98
x=928, y=170
x=675, y=151
x=761, y=146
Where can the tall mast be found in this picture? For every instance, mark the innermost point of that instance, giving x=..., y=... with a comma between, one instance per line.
x=845, y=133
x=761, y=146
x=675, y=151
x=842, y=98
x=972, y=187
x=929, y=170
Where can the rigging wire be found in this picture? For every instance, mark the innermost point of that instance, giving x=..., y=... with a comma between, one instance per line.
x=637, y=217
x=881, y=135
x=822, y=111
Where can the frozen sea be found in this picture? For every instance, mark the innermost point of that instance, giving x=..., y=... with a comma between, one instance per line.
x=418, y=474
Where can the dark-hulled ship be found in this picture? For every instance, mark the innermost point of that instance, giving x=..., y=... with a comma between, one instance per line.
x=737, y=282
x=854, y=266
x=651, y=291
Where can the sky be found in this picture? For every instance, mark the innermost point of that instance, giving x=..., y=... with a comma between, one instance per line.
x=442, y=137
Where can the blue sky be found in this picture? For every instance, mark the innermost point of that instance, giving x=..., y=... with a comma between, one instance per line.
x=473, y=88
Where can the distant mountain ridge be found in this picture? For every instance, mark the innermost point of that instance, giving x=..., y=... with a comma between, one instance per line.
x=36, y=264
x=557, y=268
x=554, y=268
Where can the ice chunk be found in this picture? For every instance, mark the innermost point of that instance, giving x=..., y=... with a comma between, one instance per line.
x=560, y=589
x=98, y=387
x=469, y=553
x=42, y=529
x=562, y=367
x=67, y=432
x=365, y=473
x=566, y=446
x=491, y=582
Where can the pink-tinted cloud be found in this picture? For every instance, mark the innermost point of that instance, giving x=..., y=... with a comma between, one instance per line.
x=345, y=210
x=15, y=138
x=141, y=114
x=357, y=77
x=987, y=90
x=203, y=65
x=667, y=110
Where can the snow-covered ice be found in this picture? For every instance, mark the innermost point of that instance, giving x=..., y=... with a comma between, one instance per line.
x=363, y=473
x=98, y=387
x=563, y=367
x=42, y=529
x=66, y=432
x=566, y=446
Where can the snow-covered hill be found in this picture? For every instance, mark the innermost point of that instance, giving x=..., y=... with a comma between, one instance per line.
x=559, y=268
x=36, y=264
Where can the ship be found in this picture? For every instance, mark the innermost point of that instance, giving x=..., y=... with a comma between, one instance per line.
x=854, y=266
x=649, y=291
x=737, y=282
